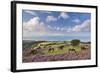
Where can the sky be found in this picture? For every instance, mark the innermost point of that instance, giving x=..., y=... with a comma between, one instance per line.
x=56, y=25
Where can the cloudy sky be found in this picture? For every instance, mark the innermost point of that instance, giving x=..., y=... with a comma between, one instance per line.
x=50, y=25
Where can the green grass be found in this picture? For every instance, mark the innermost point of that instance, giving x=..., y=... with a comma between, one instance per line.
x=33, y=46
x=55, y=45
x=58, y=51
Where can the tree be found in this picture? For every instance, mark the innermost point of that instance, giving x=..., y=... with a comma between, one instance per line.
x=75, y=42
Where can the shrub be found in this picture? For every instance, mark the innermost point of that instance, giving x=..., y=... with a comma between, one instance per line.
x=75, y=42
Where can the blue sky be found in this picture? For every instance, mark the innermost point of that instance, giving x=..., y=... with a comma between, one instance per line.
x=51, y=23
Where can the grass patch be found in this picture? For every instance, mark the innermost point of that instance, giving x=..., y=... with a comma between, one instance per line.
x=56, y=45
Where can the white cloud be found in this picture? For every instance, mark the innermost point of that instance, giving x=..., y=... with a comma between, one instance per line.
x=34, y=26
x=58, y=28
x=51, y=18
x=76, y=20
x=62, y=29
x=85, y=26
x=63, y=15
x=77, y=28
x=69, y=29
x=31, y=23
x=49, y=27
x=31, y=12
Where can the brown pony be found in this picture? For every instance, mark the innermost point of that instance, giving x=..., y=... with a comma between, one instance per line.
x=51, y=49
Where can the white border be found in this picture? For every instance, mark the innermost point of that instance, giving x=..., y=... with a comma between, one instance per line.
x=32, y=65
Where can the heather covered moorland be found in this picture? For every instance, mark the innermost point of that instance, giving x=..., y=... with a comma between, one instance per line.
x=42, y=51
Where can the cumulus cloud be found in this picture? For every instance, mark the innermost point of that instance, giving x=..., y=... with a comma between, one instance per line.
x=51, y=18
x=34, y=26
x=49, y=27
x=85, y=26
x=63, y=15
x=31, y=12
x=31, y=23
x=76, y=20
x=58, y=28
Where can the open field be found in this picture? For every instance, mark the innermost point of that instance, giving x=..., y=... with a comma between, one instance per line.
x=41, y=51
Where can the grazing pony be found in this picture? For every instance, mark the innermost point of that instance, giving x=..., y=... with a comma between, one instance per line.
x=61, y=47
x=84, y=48
x=72, y=50
x=73, y=55
x=37, y=50
x=50, y=49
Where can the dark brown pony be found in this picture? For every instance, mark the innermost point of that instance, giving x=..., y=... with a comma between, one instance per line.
x=61, y=47
x=83, y=48
x=72, y=50
x=50, y=49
